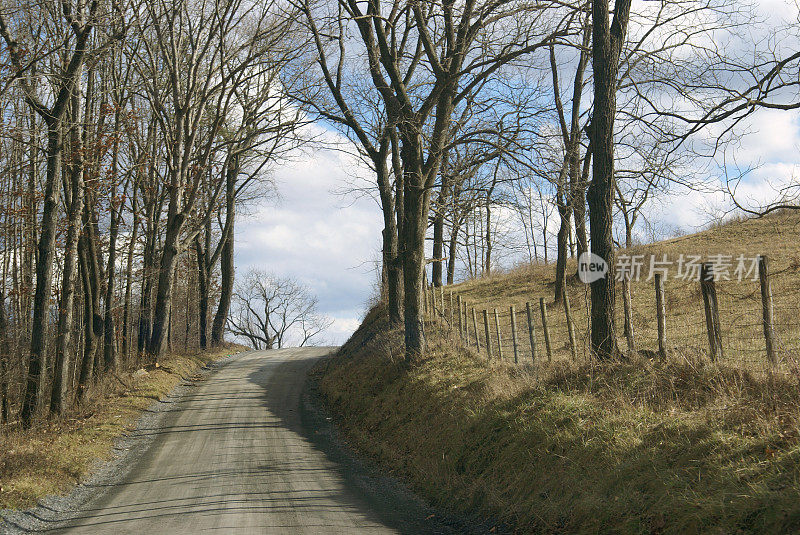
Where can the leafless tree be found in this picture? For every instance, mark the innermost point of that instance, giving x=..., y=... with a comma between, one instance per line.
x=134, y=128
x=73, y=24
x=271, y=312
x=608, y=38
x=192, y=61
x=423, y=59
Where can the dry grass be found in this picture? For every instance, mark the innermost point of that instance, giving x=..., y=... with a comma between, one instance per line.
x=641, y=446
x=52, y=457
x=634, y=447
x=740, y=302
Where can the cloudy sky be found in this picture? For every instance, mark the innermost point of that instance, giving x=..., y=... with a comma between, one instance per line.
x=318, y=232
x=327, y=236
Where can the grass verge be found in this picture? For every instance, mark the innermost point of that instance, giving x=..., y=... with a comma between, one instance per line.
x=634, y=447
x=53, y=456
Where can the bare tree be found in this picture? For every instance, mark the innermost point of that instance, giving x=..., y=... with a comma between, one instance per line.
x=271, y=312
x=608, y=38
x=78, y=20
x=362, y=119
x=424, y=59
x=131, y=138
x=192, y=59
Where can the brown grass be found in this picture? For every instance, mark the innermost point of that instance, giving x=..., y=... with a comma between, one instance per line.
x=641, y=446
x=634, y=447
x=53, y=456
x=740, y=303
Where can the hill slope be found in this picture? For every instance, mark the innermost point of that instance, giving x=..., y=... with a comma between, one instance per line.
x=740, y=309
x=641, y=446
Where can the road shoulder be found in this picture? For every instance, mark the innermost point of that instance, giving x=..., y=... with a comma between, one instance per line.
x=53, y=511
x=390, y=498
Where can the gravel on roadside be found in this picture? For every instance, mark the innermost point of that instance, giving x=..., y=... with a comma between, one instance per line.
x=49, y=513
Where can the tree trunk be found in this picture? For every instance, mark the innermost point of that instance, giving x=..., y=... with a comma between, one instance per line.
x=92, y=321
x=451, y=255
x=487, y=266
x=58, y=398
x=414, y=269
x=394, y=275
x=562, y=241
x=148, y=274
x=126, y=313
x=438, y=234
x=44, y=275
x=227, y=272
x=153, y=214
x=628, y=233
x=4, y=345
x=73, y=192
x=169, y=260
x=579, y=204
x=579, y=211
x=416, y=201
x=109, y=327
x=578, y=176
x=29, y=260
x=202, y=279
x=391, y=262
x=606, y=47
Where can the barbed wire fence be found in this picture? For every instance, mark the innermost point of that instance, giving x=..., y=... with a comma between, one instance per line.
x=744, y=323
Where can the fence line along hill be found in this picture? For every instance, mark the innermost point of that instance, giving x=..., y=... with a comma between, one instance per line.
x=750, y=320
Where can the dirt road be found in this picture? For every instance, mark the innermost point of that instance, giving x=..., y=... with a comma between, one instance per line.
x=235, y=456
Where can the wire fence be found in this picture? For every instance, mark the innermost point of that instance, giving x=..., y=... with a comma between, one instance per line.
x=752, y=323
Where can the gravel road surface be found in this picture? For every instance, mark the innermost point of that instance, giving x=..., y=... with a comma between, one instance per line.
x=239, y=452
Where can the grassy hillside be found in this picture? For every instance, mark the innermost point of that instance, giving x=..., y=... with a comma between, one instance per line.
x=642, y=446
x=740, y=302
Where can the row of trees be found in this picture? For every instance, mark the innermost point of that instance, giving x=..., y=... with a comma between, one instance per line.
x=131, y=131
x=467, y=111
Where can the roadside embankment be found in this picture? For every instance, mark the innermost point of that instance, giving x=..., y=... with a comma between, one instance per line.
x=633, y=447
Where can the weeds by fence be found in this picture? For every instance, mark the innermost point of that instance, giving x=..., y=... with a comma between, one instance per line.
x=730, y=321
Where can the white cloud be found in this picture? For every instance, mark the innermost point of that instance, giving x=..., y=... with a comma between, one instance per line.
x=772, y=136
x=323, y=239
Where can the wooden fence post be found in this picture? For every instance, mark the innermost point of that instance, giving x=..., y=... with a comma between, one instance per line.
x=466, y=325
x=767, y=310
x=436, y=306
x=466, y=321
x=460, y=322
x=712, y=310
x=661, y=316
x=514, y=334
x=427, y=299
x=433, y=301
x=499, y=337
x=628, y=306
x=475, y=330
x=546, y=329
x=451, y=309
x=570, y=329
x=488, y=335
x=432, y=295
x=531, y=331
x=441, y=302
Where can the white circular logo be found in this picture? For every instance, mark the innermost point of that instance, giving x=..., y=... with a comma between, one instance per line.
x=591, y=268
